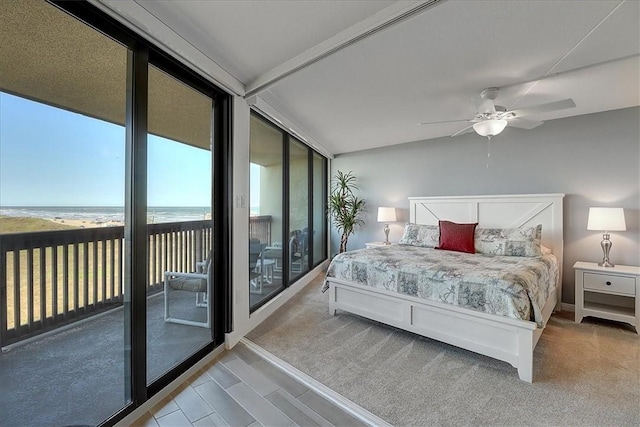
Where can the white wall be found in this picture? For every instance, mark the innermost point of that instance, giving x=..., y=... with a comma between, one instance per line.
x=594, y=159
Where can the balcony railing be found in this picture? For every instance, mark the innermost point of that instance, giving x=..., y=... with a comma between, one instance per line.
x=52, y=278
x=260, y=228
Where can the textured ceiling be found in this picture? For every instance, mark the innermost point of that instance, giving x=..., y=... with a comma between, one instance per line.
x=50, y=57
x=43, y=60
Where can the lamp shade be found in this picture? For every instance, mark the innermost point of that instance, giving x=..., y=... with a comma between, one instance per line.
x=490, y=127
x=606, y=219
x=386, y=214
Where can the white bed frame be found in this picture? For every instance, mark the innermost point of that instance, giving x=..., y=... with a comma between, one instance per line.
x=502, y=338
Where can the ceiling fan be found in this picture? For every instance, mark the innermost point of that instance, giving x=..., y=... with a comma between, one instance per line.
x=491, y=119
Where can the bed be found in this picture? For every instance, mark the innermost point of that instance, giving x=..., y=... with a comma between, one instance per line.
x=507, y=331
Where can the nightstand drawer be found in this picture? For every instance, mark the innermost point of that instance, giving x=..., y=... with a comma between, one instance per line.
x=610, y=283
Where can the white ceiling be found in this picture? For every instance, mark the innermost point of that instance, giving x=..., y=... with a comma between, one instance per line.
x=374, y=92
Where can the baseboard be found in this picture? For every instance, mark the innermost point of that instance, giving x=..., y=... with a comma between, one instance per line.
x=324, y=391
x=568, y=307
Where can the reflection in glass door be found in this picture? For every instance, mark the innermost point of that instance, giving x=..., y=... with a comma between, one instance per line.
x=299, y=233
x=179, y=222
x=319, y=238
x=266, y=225
x=287, y=223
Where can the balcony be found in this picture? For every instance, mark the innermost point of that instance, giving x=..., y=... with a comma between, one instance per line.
x=62, y=320
x=76, y=375
x=54, y=278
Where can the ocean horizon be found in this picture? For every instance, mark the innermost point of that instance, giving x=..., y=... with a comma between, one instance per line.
x=104, y=214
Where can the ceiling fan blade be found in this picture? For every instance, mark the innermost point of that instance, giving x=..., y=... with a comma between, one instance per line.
x=463, y=131
x=444, y=121
x=523, y=123
x=545, y=108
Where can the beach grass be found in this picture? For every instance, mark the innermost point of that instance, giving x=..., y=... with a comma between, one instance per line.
x=11, y=224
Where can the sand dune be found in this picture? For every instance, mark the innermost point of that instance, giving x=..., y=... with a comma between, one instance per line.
x=86, y=223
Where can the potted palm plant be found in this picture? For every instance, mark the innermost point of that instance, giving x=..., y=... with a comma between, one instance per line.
x=344, y=207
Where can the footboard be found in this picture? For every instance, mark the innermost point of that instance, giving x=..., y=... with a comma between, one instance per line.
x=502, y=338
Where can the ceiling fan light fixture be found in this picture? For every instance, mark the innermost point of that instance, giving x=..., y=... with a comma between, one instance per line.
x=490, y=127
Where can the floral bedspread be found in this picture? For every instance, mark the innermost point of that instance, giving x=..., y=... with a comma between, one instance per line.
x=510, y=286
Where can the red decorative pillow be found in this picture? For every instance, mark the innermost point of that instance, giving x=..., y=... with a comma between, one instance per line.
x=457, y=237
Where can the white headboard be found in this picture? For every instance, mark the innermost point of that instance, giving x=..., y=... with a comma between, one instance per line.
x=507, y=211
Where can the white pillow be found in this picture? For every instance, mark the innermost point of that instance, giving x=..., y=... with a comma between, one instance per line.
x=509, y=241
x=426, y=236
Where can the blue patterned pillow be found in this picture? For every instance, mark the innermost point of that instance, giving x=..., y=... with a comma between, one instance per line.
x=426, y=236
x=509, y=241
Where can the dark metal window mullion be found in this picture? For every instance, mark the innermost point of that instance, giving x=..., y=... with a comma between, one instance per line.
x=135, y=240
x=286, y=175
x=325, y=197
x=310, y=230
x=222, y=218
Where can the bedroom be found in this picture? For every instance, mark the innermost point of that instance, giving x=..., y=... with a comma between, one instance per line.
x=355, y=117
x=355, y=79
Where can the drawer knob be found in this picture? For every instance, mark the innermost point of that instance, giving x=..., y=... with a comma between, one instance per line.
x=608, y=283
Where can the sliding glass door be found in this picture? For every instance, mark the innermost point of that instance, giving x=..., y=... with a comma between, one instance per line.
x=298, y=209
x=287, y=223
x=113, y=188
x=319, y=210
x=266, y=220
x=62, y=197
x=179, y=175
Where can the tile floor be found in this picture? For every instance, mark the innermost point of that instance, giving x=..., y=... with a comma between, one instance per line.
x=243, y=389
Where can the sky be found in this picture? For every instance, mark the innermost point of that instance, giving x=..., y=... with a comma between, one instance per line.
x=53, y=157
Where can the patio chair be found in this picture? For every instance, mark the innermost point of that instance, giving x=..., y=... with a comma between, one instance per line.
x=300, y=253
x=197, y=282
x=256, y=265
x=274, y=253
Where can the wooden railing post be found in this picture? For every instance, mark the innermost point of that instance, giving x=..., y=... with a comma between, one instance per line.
x=3, y=294
x=199, y=234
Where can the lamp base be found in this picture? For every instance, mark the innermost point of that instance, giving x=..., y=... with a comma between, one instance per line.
x=605, y=264
x=606, y=247
x=386, y=234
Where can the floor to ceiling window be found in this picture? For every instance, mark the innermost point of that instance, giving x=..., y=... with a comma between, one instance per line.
x=179, y=221
x=319, y=211
x=266, y=221
x=299, y=230
x=287, y=223
x=62, y=193
x=112, y=179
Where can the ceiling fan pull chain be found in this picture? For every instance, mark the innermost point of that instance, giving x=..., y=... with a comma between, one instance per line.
x=488, y=151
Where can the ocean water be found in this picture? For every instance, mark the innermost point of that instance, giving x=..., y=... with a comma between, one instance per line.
x=105, y=214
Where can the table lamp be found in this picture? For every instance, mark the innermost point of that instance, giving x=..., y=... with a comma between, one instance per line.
x=386, y=215
x=606, y=220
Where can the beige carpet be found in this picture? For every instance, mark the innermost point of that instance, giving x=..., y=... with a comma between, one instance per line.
x=584, y=375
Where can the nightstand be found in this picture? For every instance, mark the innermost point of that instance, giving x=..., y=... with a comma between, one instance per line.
x=376, y=244
x=608, y=293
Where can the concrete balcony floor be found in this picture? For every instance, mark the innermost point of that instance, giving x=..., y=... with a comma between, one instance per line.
x=76, y=376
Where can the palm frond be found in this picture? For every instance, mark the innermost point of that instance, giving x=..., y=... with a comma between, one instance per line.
x=344, y=207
